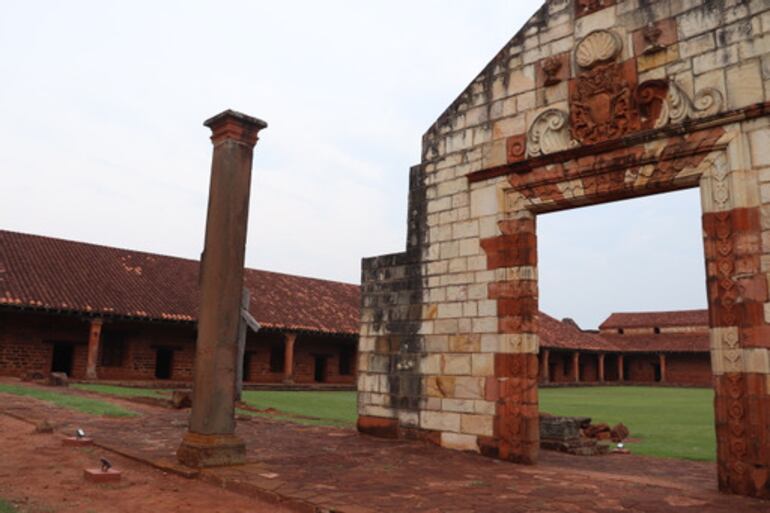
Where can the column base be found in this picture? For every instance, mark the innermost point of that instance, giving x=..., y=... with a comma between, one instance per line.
x=378, y=426
x=199, y=450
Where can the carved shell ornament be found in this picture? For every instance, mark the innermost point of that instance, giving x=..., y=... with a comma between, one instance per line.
x=597, y=47
x=549, y=133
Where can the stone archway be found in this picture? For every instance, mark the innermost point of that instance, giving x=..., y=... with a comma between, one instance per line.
x=732, y=235
x=591, y=102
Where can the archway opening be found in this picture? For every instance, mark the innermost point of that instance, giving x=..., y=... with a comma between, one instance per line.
x=624, y=322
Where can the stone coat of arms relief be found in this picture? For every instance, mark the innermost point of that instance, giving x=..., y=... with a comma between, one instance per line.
x=607, y=103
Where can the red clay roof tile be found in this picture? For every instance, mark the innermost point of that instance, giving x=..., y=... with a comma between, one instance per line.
x=653, y=319
x=663, y=342
x=556, y=334
x=55, y=274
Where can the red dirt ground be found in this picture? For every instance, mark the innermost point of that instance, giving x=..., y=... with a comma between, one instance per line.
x=331, y=469
x=40, y=476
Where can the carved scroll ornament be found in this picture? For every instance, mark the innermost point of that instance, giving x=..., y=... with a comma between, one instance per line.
x=664, y=103
x=549, y=133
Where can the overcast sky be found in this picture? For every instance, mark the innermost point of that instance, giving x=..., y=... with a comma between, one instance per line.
x=102, y=104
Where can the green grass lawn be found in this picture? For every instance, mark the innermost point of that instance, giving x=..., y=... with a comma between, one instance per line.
x=6, y=507
x=670, y=422
x=69, y=401
x=122, y=391
x=329, y=408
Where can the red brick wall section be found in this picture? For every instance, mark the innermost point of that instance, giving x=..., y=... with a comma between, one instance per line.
x=685, y=369
x=689, y=369
x=560, y=364
x=26, y=344
x=611, y=367
x=640, y=367
x=305, y=349
x=589, y=368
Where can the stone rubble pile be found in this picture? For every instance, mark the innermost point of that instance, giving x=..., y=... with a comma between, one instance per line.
x=576, y=435
x=617, y=433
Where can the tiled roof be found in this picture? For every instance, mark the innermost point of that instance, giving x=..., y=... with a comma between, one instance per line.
x=663, y=342
x=653, y=319
x=54, y=274
x=556, y=334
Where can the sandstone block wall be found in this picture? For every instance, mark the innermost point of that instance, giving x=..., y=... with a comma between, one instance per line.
x=590, y=102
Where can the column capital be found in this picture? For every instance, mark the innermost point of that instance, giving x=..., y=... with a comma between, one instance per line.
x=235, y=126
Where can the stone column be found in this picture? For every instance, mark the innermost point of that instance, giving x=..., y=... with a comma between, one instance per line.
x=601, y=367
x=210, y=439
x=94, y=341
x=621, y=370
x=288, y=357
x=545, y=356
x=576, y=366
x=662, y=360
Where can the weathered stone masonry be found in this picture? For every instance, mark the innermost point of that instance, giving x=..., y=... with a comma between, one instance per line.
x=392, y=303
x=592, y=101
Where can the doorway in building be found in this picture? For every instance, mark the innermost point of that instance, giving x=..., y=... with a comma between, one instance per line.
x=658, y=376
x=640, y=261
x=246, y=366
x=320, y=368
x=164, y=359
x=62, y=358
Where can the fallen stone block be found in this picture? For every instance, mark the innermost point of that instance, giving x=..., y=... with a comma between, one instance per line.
x=564, y=434
x=181, y=399
x=44, y=427
x=75, y=441
x=620, y=432
x=58, y=379
x=33, y=376
x=594, y=430
x=99, y=476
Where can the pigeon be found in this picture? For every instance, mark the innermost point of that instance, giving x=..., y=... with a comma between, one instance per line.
x=106, y=465
x=80, y=433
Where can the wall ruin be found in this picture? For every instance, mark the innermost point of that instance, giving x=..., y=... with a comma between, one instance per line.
x=592, y=101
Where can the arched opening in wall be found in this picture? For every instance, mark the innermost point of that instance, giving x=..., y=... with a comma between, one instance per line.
x=624, y=328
